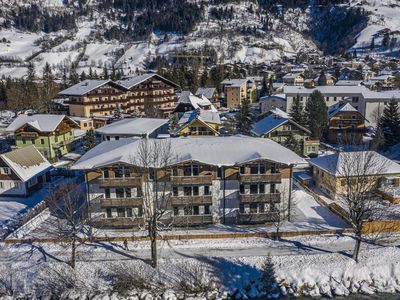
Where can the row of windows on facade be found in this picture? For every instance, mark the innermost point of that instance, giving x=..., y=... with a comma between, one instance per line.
x=190, y=210
x=42, y=140
x=353, y=99
x=194, y=170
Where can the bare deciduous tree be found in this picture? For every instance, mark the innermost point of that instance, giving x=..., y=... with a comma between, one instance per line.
x=68, y=204
x=153, y=160
x=360, y=173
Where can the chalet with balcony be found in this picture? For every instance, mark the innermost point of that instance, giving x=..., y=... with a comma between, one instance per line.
x=279, y=126
x=199, y=123
x=235, y=179
x=346, y=125
x=52, y=135
x=189, y=102
x=211, y=94
x=293, y=79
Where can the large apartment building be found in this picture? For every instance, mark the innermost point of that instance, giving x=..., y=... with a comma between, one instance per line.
x=148, y=95
x=236, y=179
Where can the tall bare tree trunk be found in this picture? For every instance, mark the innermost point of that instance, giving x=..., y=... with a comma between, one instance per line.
x=357, y=247
x=153, y=238
x=73, y=253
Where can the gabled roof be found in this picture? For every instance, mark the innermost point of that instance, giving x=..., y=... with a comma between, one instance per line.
x=132, y=127
x=344, y=106
x=292, y=75
x=218, y=151
x=133, y=81
x=206, y=92
x=86, y=86
x=206, y=116
x=277, y=118
x=334, y=163
x=40, y=122
x=26, y=162
x=234, y=82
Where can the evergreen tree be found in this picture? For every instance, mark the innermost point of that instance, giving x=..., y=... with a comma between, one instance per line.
x=297, y=111
x=204, y=78
x=244, y=118
x=90, y=140
x=82, y=77
x=378, y=141
x=372, y=46
x=31, y=74
x=322, y=80
x=268, y=279
x=316, y=114
x=49, y=89
x=270, y=86
x=264, y=88
x=105, y=73
x=390, y=123
x=292, y=144
x=73, y=76
x=91, y=76
x=173, y=123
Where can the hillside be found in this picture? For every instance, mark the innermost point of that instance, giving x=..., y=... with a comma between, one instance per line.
x=128, y=35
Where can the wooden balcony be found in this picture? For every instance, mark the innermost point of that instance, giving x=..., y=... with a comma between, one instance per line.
x=192, y=220
x=256, y=218
x=254, y=178
x=183, y=200
x=274, y=198
x=121, y=202
x=120, y=182
x=191, y=180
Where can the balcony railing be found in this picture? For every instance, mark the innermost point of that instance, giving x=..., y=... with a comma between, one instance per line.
x=118, y=222
x=121, y=202
x=273, y=197
x=273, y=178
x=118, y=182
x=189, y=180
x=246, y=218
x=204, y=199
x=192, y=220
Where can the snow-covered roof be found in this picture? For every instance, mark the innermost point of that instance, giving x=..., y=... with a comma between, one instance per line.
x=41, y=122
x=292, y=75
x=197, y=102
x=26, y=162
x=334, y=163
x=133, y=127
x=268, y=124
x=84, y=87
x=234, y=82
x=345, y=106
x=325, y=89
x=206, y=116
x=217, y=151
x=206, y=92
x=276, y=96
x=133, y=81
x=348, y=82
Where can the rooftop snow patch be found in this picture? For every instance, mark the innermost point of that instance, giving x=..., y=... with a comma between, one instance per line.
x=135, y=126
x=41, y=122
x=217, y=151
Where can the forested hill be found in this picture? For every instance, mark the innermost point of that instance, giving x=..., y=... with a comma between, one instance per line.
x=129, y=34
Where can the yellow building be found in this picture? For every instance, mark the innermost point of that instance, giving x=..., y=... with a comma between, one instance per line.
x=296, y=79
x=199, y=123
x=330, y=176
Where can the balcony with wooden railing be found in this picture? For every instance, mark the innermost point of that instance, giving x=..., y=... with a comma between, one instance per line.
x=121, y=202
x=256, y=218
x=272, y=197
x=254, y=178
x=183, y=200
x=191, y=180
x=118, y=222
x=120, y=182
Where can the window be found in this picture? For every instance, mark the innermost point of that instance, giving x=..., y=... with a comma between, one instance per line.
x=152, y=174
x=109, y=213
x=196, y=210
x=106, y=174
x=139, y=191
x=273, y=188
x=127, y=172
x=353, y=117
x=176, y=211
x=253, y=189
x=187, y=210
x=121, y=212
x=195, y=170
x=242, y=170
x=253, y=207
x=23, y=141
x=187, y=170
x=254, y=169
x=187, y=191
x=219, y=172
x=241, y=208
x=128, y=193
x=118, y=172
x=262, y=189
x=56, y=139
x=6, y=171
x=206, y=209
x=174, y=172
x=119, y=193
x=42, y=141
x=117, y=138
x=107, y=193
x=207, y=190
x=129, y=212
x=195, y=191
x=241, y=189
x=175, y=191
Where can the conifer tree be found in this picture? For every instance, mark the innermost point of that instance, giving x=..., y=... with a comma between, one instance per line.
x=268, y=279
x=244, y=118
x=292, y=144
x=173, y=123
x=390, y=123
x=316, y=114
x=297, y=111
x=105, y=73
x=49, y=89
x=378, y=140
x=83, y=76
x=90, y=140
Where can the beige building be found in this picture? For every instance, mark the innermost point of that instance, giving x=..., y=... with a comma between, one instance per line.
x=235, y=91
